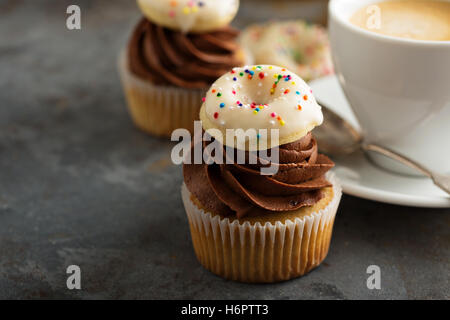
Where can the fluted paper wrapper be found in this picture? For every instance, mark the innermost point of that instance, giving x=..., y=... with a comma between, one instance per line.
x=159, y=110
x=261, y=253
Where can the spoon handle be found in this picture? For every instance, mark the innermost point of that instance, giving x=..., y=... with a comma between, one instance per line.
x=440, y=180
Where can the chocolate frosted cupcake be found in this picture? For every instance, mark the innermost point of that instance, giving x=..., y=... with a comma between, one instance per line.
x=166, y=69
x=254, y=227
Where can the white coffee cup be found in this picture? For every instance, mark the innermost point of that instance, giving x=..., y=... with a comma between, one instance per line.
x=398, y=88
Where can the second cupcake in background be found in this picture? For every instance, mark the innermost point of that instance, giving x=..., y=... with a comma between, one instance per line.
x=175, y=53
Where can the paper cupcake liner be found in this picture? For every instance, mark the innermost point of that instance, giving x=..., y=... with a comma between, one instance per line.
x=261, y=253
x=156, y=109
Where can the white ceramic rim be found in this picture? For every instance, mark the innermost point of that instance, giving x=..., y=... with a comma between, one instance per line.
x=344, y=22
x=383, y=196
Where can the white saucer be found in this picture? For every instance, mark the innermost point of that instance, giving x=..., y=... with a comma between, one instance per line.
x=360, y=178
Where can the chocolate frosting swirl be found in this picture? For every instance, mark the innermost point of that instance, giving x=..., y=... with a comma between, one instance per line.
x=167, y=57
x=228, y=189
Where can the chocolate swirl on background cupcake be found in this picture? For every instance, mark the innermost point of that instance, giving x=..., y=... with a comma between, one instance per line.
x=167, y=57
x=243, y=191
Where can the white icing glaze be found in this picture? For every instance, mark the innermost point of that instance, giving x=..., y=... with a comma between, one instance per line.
x=296, y=45
x=190, y=15
x=262, y=97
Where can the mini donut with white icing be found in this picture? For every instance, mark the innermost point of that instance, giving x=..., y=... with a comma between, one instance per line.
x=260, y=97
x=190, y=15
x=296, y=45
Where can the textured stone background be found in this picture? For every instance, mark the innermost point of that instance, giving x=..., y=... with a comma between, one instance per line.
x=79, y=185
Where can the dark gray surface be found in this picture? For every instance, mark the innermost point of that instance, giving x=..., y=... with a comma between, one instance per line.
x=79, y=185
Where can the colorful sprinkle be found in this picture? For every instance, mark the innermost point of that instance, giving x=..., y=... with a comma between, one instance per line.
x=216, y=115
x=305, y=97
x=222, y=105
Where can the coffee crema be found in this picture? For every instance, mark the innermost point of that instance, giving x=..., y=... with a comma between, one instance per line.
x=412, y=19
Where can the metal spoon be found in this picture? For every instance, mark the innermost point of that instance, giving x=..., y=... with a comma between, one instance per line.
x=338, y=137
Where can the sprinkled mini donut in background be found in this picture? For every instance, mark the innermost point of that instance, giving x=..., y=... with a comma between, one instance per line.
x=261, y=97
x=296, y=45
x=166, y=69
x=190, y=15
